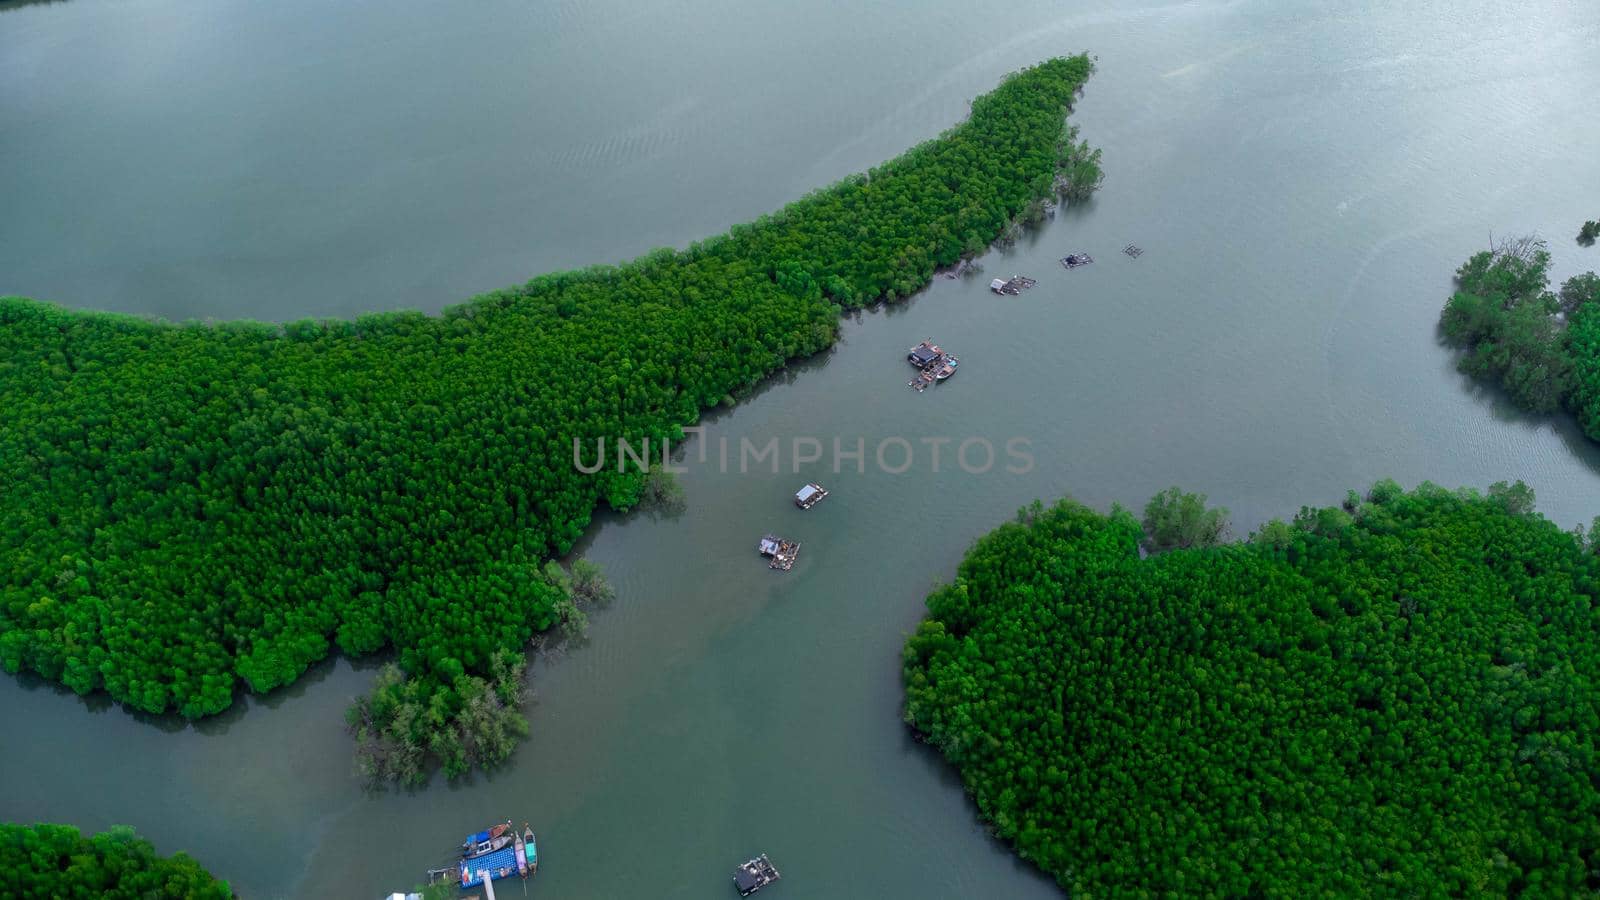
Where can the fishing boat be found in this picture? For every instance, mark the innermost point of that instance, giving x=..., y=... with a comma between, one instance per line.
x=947, y=367
x=487, y=841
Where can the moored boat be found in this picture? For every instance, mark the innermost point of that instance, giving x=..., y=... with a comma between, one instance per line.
x=487, y=841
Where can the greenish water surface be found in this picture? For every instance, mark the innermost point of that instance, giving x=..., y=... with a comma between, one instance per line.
x=1302, y=176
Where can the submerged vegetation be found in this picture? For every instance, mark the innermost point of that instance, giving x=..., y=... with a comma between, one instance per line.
x=1398, y=697
x=1542, y=347
x=56, y=862
x=188, y=509
x=403, y=724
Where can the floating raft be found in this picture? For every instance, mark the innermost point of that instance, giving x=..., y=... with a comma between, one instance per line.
x=754, y=875
x=1074, y=260
x=1012, y=286
x=1133, y=251
x=517, y=854
x=934, y=365
x=780, y=553
x=939, y=371
x=810, y=495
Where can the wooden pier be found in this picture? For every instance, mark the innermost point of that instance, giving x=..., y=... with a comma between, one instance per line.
x=780, y=553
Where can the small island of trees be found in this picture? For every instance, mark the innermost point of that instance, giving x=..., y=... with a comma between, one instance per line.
x=56, y=862
x=1541, y=347
x=188, y=509
x=1393, y=697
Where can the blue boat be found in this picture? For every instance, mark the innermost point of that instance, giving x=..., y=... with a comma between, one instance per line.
x=520, y=856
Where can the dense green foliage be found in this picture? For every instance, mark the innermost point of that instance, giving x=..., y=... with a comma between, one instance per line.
x=1520, y=335
x=402, y=724
x=406, y=724
x=1395, y=699
x=55, y=862
x=187, y=507
x=1588, y=233
x=1174, y=520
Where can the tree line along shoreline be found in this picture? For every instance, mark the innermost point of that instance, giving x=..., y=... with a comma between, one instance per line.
x=769, y=292
x=198, y=509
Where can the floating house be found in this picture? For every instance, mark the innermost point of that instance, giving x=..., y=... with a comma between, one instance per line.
x=754, y=875
x=923, y=354
x=780, y=553
x=1012, y=286
x=810, y=495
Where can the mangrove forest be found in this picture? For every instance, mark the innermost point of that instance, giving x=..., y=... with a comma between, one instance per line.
x=1540, y=346
x=1397, y=696
x=187, y=510
x=56, y=862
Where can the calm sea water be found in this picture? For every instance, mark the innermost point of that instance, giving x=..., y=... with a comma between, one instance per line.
x=1304, y=177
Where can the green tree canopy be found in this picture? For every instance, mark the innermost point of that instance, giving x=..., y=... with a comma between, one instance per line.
x=56, y=862
x=1515, y=333
x=1399, y=698
x=1174, y=519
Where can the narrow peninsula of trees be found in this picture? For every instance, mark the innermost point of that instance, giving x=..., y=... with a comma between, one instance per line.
x=1397, y=697
x=188, y=509
x=55, y=862
x=1542, y=347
